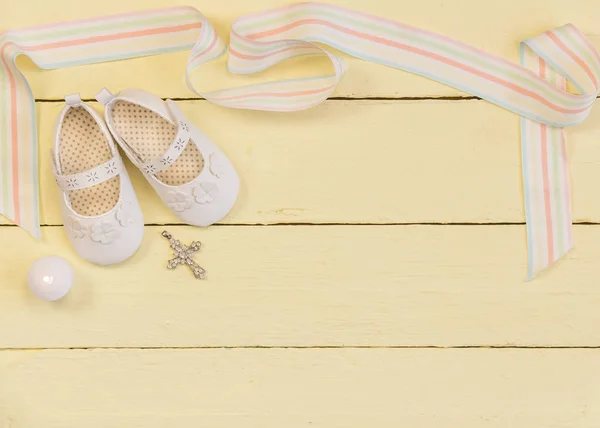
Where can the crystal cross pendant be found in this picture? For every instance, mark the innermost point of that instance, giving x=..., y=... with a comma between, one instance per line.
x=183, y=255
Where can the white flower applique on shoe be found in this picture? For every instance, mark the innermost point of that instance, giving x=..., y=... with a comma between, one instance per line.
x=187, y=170
x=101, y=213
x=178, y=201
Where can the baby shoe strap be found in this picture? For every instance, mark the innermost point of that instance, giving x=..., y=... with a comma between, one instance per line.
x=104, y=96
x=179, y=144
x=89, y=178
x=73, y=100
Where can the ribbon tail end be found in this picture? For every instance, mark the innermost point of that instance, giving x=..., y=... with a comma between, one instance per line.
x=532, y=274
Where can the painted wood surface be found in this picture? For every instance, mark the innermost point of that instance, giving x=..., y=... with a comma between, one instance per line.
x=464, y=155
x=311, y=286
x=493, y=26
x=323, y=307
x=298, y=388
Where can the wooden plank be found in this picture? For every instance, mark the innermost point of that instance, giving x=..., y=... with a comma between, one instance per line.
x=366, y=162
x=310, y=286
x=300, y=387
x=493, y=26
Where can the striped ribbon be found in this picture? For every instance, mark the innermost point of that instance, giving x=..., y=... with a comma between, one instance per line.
x=535, y=90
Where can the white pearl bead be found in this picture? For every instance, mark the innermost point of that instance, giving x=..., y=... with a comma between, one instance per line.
x=50, y=278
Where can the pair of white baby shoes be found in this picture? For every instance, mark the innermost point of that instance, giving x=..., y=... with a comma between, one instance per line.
x=100, y=210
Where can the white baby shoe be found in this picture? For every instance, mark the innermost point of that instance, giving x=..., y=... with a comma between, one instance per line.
x=186, y=169
x=101, y=213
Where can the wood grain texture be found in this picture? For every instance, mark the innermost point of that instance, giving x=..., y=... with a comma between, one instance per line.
x=311, y=286
x=492, y=26
x=328, y=388
x=433, y=161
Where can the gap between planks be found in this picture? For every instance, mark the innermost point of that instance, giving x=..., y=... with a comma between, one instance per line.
x=583, y=223
x=184, y=348
x=430, y=98
x=441, y=98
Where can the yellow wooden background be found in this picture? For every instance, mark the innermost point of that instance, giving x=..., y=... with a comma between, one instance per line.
x=371, y=274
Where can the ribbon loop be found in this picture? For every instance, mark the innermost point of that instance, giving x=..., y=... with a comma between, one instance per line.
x=568, y=52
x=261, y=40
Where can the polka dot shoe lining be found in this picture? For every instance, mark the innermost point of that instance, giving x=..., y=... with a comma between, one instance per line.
x=149, y=135
x=83, y=146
